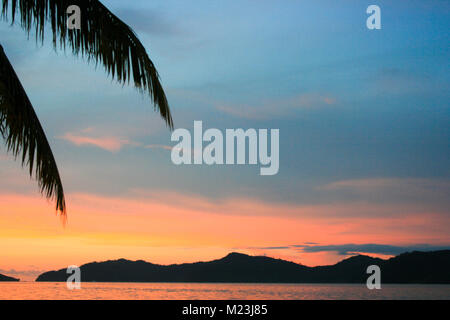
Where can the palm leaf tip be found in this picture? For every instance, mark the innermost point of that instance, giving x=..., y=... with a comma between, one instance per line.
x=102, y=37
x=25, y=137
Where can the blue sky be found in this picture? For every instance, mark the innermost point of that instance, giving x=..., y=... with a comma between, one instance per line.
x=350, y=103
x=363, y=114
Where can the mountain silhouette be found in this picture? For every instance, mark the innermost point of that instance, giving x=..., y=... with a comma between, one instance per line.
x=6, y=278
x=413, y=267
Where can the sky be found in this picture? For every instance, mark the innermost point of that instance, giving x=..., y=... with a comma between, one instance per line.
x=364, y=137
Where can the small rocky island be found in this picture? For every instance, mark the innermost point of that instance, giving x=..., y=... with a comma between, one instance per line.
x=6, y=278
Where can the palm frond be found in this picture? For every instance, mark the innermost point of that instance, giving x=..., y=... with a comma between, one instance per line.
x=103, y=37
x=23, y=133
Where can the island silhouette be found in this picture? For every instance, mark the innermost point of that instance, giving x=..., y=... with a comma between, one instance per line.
x=6, y=278
x=432, y=267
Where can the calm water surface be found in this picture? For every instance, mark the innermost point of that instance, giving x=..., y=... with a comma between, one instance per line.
x=181, y=291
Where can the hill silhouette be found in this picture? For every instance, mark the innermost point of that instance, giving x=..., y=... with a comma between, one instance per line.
x=6, y=278
x=413, y=267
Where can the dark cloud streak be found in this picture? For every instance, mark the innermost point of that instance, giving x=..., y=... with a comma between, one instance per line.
x=348, y=249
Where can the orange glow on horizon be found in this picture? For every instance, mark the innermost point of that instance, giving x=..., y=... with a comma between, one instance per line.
x=151, y=227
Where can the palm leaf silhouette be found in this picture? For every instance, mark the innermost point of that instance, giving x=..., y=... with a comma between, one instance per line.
x=102, y=38
x=22, y=132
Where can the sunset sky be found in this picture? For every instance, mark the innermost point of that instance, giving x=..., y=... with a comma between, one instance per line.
x=364, y=137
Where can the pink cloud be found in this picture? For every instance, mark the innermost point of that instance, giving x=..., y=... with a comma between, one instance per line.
x=158, y=146
x=112, y=144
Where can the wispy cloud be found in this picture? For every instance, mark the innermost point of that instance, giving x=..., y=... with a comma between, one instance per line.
x=109, y=143
x=277, y=108
x=401, y=81
x=346, y=249
x=349, y=249
x=399, y=188
x=158, y=146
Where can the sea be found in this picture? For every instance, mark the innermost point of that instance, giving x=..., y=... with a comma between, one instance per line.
x=217, y=291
